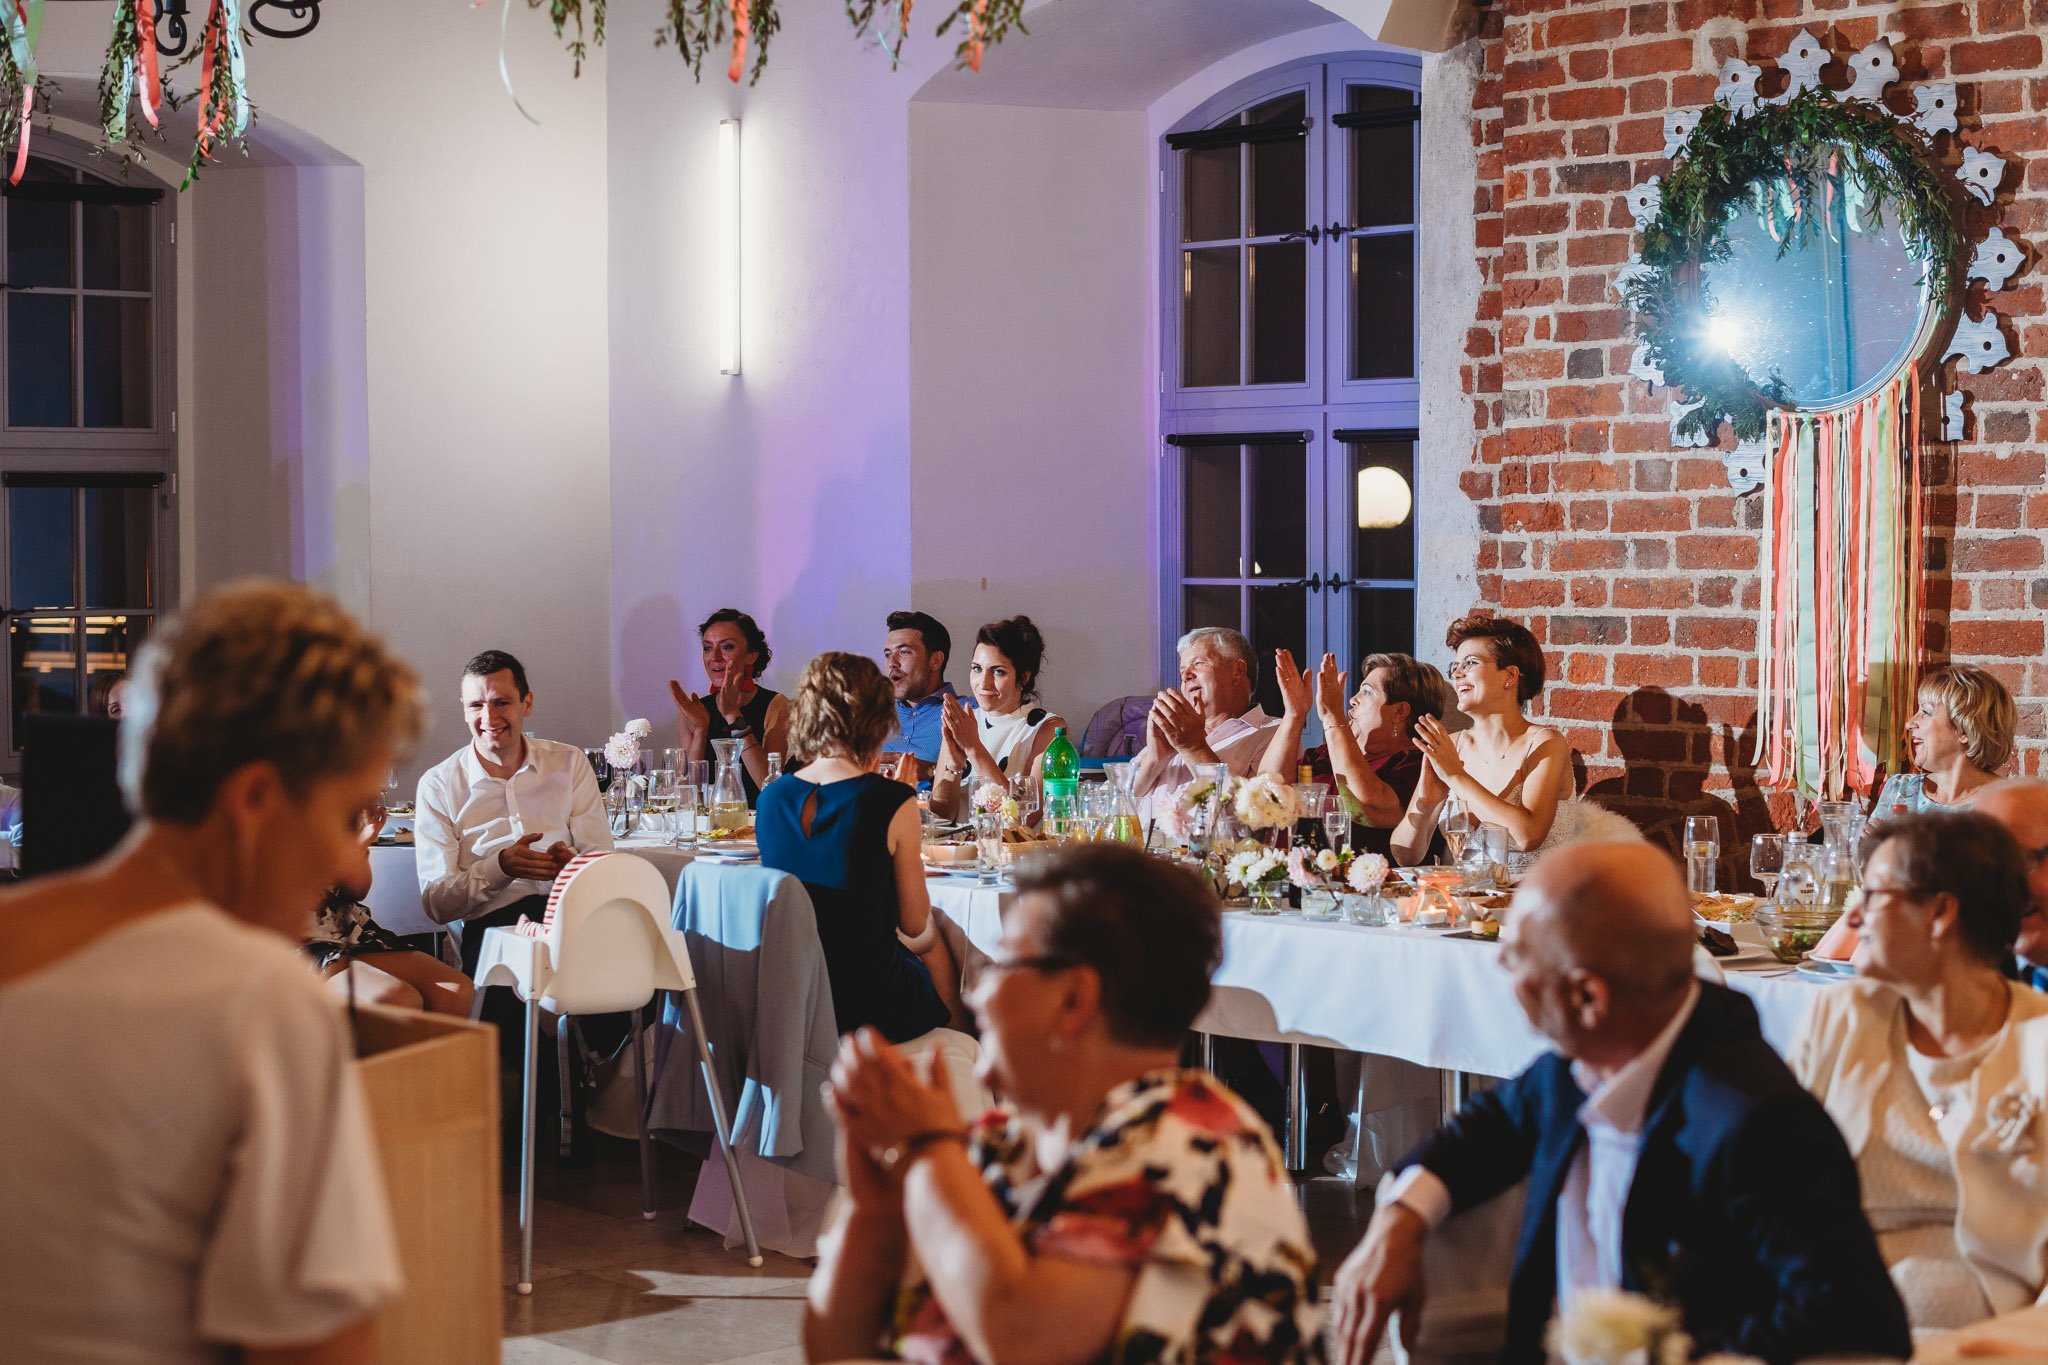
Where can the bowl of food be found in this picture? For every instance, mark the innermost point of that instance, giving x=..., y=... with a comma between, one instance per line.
x=1792, y=932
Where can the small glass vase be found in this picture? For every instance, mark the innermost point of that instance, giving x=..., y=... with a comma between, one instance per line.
x=1265, y=897
x=1319, y=903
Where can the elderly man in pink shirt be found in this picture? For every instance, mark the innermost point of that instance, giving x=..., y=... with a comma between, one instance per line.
x=1209, y=718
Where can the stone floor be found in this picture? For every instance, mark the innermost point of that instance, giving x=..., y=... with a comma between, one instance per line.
x=611, y=1288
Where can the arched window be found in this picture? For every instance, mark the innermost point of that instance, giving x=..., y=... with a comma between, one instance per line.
x=1288, y=392
x=87, y=444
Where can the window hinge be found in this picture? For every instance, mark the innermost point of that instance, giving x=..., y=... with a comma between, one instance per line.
x=1162, y=179
x=174, y=421
x=172, y=483
x=1162, y=381
x=174, y=234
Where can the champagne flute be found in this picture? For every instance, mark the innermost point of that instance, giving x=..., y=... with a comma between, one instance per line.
x=1702, y=851
x=1457, y=824
x=1767, y=861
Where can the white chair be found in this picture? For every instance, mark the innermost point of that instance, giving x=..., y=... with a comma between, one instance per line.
x=606, y=948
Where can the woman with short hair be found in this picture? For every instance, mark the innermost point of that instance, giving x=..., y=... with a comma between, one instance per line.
x=736, y=654
x=1934, y=1066
x=1506, y=769
x=1120, y=1208
x=190, y=1172
x=1959, y=736
x=854, y=839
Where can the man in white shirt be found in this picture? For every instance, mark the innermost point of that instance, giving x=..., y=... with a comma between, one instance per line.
x=1652, y=1141
x=2021, y=805
x=1209, y=718
x=497, y=819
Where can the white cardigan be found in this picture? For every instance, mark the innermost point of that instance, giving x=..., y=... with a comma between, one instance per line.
x=1856, y=1033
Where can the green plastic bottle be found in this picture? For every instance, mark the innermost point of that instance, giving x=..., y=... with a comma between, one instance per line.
x=1062, y=778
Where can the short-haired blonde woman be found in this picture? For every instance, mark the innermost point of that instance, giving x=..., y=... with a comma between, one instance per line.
x=1959, y=737
x=853, y=838
x=190, y=1176
x=1506, y=769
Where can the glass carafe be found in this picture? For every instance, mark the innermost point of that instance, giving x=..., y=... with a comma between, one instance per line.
x=1839, y=865
x=728, y=792
x=1125, y=826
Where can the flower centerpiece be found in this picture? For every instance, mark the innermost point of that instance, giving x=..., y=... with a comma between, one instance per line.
x=1186, y=818
x=1614, y=1327
x=1264, y=803
x=1322, y=874
x=1259, y=872
x=993, y=798
x=640, y=728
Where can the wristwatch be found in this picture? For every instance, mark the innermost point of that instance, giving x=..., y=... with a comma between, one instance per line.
x=901, y=1153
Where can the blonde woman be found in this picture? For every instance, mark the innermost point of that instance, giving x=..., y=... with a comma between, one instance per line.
x=1959, y=737
x=853, y=838
x=190, y=1175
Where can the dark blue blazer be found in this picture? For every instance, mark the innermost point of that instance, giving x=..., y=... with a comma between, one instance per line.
x=1745, y=1212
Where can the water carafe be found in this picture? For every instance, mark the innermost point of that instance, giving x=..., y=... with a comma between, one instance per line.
x=728, y=792
x=1124, y=826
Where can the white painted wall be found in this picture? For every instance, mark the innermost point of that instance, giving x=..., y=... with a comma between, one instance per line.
x=1031, y=415
x=448, y=471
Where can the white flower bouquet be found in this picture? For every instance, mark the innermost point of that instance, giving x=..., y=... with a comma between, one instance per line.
x=1613, y=1327
x=640, y=728
x=1256, y=869
x=1181, y=817
x=1264, y=802
x=622, y=750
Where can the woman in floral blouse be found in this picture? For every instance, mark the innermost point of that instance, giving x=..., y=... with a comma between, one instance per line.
x=1121, y=1209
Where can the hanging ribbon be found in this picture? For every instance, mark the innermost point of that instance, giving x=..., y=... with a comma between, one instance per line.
x=150, y=89
x=24, y=23
x=1839, y=609
x=739, y=41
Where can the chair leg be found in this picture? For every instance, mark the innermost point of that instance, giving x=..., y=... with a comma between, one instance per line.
x=724, y=1127
x=526, y=1147
x=567, y=1135
x=641, y=1089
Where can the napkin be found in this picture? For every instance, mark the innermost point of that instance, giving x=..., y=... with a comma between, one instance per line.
x=1838, y=944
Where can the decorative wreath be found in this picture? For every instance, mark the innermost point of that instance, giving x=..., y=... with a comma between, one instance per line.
x=1726, y=156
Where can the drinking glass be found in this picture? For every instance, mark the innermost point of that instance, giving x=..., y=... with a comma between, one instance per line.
x=988, y=834
x=1767, y=861
x=774, y=767
x=1702, y=852
x=1024, y=790
x=662, y=800
x=600, y=768
x=1337, y=829
x=1457, y=823
x=690, y=814
x=676, y=761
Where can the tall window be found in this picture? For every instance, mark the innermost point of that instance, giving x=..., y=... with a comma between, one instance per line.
x=86, y=433
x=1289, y=390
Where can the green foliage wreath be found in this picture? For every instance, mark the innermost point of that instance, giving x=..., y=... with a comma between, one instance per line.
x=1724, y=158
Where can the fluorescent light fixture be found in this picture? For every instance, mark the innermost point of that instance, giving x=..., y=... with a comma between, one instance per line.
x=1384, y=500
x=729, y=246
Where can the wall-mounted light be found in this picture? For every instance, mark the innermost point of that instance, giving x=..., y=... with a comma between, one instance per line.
x=729, y=246
x=1384, y=500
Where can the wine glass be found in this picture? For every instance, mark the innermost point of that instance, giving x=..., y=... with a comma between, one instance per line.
x=1702, y=852
x=600, y=768
x=662, y=798
x=1337, y=830
x=1767, y=861
x=1457, y=824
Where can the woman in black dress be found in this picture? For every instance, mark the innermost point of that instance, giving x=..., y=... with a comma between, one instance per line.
x=736, y=653
x=854, y=839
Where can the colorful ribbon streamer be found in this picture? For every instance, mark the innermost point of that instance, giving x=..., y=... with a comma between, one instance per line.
x=24, y=23
x=1839, y=611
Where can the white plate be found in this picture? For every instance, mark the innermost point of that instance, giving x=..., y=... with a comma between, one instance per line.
x=730, y=848
x=1823, y=971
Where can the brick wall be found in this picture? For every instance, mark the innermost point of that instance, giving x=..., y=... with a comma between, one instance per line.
x=1634, y=562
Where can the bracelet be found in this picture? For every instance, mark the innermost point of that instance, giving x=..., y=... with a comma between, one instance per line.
x=742, y=730
x=901, y=1153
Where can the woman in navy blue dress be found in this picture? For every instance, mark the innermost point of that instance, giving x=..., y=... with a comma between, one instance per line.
x=854, y=839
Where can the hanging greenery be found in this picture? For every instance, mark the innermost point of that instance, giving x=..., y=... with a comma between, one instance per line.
x=1726, y=161
x=696, y=28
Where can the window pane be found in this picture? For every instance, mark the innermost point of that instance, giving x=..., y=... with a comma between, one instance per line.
x=1383, y=306
x=120, y=547
x=38, y=244
x=110, y=642
x=1211, y=548
x=39, y=332
x=1209, y=313
x=39, y=548
x=1382, y=620
x=1288, y=108
x=1209, y=605
x=1279, y=621
x=43, y=651
x=1383, y=486
x=1279, y=288
x=117, y=362
x=1279, y=511
x=1382, y=175
x=1374, y=99
x=1209, y=186
x=116, y=246
x=1279, y=187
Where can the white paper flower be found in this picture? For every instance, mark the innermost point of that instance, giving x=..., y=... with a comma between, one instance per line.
x=1368, y=872
x=622, y=750
x=1610, y=1327
x=1265, y=802
x=640, y=728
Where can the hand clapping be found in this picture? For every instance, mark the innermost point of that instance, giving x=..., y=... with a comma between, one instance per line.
x=1294, y=686
x=879, y=1098
x=692, y=720
x=1178, y=719
x=1439, y=748
x=1332, y=694
x=524, y=861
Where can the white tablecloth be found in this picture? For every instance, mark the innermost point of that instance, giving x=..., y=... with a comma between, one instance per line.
x=394, y=898
x=1407, y=993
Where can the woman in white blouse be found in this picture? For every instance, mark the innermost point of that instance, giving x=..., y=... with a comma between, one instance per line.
x=1004, y=736
x=1935, y=1067
x=189, y=1172
x=1959, y=736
